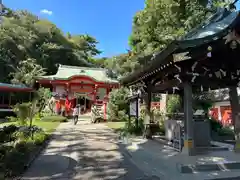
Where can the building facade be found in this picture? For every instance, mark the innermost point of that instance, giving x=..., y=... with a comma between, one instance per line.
x=221, y=109
x=80, y=85
x=10, y=95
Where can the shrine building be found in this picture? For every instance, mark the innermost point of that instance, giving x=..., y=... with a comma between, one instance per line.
x=205, y=59
x=10, y=95
x=80, y=85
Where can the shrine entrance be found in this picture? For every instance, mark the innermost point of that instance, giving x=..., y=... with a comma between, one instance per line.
x=203, y=60
x=84, y=102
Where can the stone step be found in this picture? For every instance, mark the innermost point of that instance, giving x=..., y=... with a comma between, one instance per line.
x=224, y=166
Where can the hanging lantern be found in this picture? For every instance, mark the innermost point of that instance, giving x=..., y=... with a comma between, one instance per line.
x=209, y=54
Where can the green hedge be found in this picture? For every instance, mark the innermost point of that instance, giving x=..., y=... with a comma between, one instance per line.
x=225, y=131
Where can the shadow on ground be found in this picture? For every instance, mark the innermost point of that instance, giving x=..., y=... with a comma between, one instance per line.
x=62, y=169
x=93, y=153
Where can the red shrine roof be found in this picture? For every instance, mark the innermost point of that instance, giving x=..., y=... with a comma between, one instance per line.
x=67, y=72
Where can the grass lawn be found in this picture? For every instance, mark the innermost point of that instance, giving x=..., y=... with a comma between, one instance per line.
x=48, y=126
x=48, y=123
x=116, y=126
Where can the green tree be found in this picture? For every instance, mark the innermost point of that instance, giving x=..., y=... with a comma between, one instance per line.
x=123, y=63
x=26, y=72
x=173, y=104
x=25, y=36
x=154, y=27
x=118, y=105
x=162, y=21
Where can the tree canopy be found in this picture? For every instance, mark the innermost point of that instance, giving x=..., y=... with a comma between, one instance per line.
x=26, y=41
x=159, y=23
x=25, y=37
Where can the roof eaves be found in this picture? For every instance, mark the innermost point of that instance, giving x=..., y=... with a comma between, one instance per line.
x=80, y=67
x=174, y=46
x=156, y=59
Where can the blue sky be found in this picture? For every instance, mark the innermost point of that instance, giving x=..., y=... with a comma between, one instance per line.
x=109, y=21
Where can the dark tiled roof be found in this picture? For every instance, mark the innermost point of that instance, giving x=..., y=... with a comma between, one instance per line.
x=212, y=29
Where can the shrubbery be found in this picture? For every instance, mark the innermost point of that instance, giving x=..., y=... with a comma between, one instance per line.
x=6, y=133
x=131, y=127
x=20, y=142
x=118, y=104
x=17, y=146
x=225, y=131
x=215, y=125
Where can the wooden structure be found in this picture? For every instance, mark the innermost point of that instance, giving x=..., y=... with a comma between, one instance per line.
x=206, y=58
x=80, y=85
x=10, y=95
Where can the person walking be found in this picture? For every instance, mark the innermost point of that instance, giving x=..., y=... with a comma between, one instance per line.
x=75, y=114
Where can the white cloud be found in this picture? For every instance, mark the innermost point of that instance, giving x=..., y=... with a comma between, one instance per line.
x=45, y=11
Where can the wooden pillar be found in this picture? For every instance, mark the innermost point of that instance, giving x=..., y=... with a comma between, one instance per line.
x=10, y=99
x=95, y=93
x=137, y=111
x=85, y=103
x=235, y=115
x=30, y=96
x=147, y=102
x=188, y=121
x=105, y=103
x=105, y=110
x=183, y=107
x=148, y=116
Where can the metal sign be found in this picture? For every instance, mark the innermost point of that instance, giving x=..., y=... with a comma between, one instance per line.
x=134, y=108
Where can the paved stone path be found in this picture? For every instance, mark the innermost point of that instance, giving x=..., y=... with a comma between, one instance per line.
x=82, y=152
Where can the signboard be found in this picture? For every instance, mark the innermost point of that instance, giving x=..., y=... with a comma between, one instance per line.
x=134, y=108
x=81, y=89
x=76, y=94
